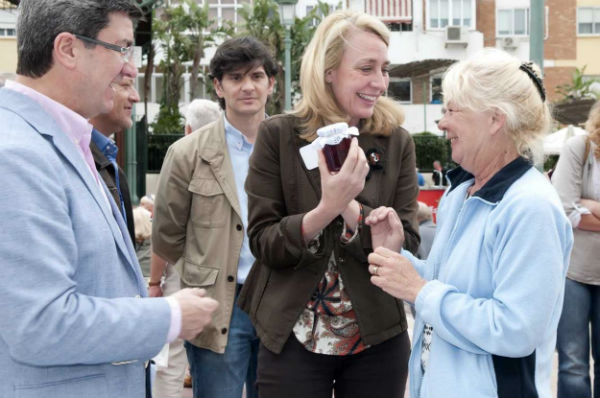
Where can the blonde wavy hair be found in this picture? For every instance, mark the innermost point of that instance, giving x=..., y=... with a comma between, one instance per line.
x=492, y=80
x=592, y=125
x=318, y=106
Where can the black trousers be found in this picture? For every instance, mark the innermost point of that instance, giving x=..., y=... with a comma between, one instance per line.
x=379, y=371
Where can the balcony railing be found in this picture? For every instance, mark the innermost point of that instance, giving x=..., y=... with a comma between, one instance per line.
x=390, y=10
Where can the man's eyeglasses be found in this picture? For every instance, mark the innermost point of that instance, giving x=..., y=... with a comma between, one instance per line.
x=126, y=52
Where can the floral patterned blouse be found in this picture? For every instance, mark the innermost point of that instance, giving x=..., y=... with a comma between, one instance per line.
x=328, y=325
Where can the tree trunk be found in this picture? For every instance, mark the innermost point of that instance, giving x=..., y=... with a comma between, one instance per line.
x=148, y=77
x=198, y=54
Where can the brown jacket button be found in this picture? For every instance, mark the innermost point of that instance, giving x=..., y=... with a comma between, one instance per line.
x=230, y=278
x=238, y=227
x=224, y=330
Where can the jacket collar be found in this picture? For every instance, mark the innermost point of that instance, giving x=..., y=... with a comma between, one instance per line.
x=212, y=148
x=105, y=144
x=493, y=190
x=212, y=145
x=99, y=159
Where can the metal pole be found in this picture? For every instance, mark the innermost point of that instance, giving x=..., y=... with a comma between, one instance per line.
x=536, y=42
x=536, y=33
x=425, y=104
x=131, y=160
x=288, y=69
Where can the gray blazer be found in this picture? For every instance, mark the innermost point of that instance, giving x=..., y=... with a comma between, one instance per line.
x=73, y=323
x=573, y=181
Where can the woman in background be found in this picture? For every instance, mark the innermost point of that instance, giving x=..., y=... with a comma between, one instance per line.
x=577, y=180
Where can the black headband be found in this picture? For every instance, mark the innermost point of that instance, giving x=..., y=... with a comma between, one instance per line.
x=527, y=67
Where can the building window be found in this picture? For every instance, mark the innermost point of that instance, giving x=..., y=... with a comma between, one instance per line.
x=588, y=20
x=7, y=32
x=513, y=22
x=400, y=90
x=443, y=13
x=399, y=26
x=435, y=95
x=225, y=10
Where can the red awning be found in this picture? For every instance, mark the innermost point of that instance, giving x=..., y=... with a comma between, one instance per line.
x=390, y=10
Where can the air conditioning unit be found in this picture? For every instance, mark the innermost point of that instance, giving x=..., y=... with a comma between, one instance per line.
x=456, y=35
x=509, y=43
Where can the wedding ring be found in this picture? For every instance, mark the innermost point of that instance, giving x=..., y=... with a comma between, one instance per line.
x=376, y=270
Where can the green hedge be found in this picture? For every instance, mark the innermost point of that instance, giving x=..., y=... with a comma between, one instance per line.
x=430, y=147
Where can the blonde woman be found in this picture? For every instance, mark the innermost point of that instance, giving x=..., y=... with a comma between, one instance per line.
x=489, y=296
x=323, y=326
x=577, y=180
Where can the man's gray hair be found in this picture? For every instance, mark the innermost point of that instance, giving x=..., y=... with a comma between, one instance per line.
x=40, y=21
x=201, y=112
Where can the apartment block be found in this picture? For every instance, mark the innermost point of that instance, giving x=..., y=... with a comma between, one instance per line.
x=8, y=39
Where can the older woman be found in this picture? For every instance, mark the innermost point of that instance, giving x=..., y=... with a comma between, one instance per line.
x=323, y=326
x=489, y=296
x=577, y=180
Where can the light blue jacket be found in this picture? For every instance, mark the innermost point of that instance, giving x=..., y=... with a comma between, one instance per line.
x=496, y=275
x=71, y=325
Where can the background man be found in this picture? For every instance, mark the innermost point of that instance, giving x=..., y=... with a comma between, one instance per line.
x=201, y=215
x=73, y=322
x=105, y=151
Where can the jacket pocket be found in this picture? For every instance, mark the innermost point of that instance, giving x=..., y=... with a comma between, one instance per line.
x=198, y=276
x=209, y=205
x=80, y=387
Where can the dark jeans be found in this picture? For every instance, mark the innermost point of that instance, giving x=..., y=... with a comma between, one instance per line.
x=223, y=375
x=379, y=371
x=580, y=311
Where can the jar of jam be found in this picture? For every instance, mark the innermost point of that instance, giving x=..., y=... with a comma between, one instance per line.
x=335, y=154
x=335, y=140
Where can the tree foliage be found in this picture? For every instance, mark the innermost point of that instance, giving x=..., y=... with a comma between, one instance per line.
x=184, y=31
x=261, y=20
x=578, y=88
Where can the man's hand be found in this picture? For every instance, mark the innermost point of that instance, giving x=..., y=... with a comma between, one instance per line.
x=196, y=311
x=155, y=291
x=386, y=229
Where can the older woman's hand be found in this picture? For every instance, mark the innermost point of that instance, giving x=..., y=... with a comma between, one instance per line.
x=394, y=274
x=386, y=228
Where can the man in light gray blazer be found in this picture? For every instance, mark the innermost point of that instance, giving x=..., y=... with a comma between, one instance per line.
x=74, y=321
